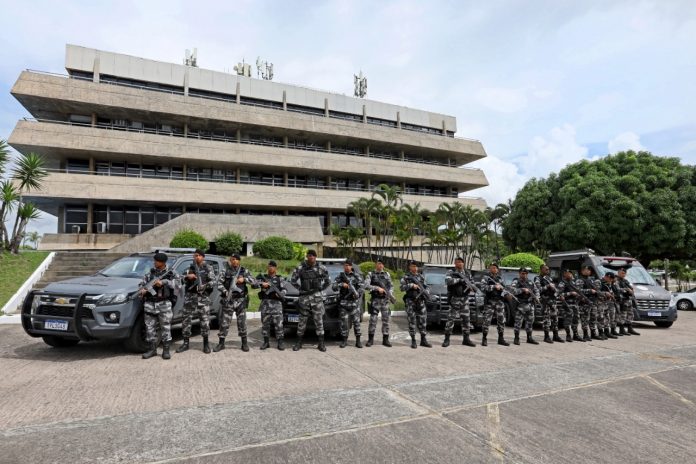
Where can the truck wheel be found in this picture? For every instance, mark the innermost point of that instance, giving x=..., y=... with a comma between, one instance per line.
x=664, y=324
x=59, y=342
x=136, y=341
x=684, y=305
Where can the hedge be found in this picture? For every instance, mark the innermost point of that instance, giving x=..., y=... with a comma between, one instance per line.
x=228, y=243
x=522, y=260
x=188, y=238
x=274, y=248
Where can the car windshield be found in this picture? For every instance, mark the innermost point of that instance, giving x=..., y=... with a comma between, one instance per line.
x=634, y=274
x=132, y=266
x=434, y=278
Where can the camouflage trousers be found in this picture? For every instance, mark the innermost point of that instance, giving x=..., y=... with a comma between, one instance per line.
x=624, y=315
x=417, y=316
x=159, y=312
x=349, y=313
x=610, y=314
x=196, y=304
x=238, y=307
x=379, y=306
x=524, y=313
x=459, y=310
x=272, y=312
x=497, y=307
x=311, y=304
x=584, y=313
x=570, y=315
x=550, y=312
x=597, y=316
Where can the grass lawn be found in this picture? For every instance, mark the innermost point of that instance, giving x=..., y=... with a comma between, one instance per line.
x=15, y=269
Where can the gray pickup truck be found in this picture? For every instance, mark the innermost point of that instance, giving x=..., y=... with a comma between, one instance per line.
x=104, y=306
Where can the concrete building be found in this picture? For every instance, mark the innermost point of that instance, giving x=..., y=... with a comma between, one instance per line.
x=132, y=143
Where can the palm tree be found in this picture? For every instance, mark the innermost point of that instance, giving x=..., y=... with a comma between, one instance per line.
x=496, y=216
x=25, y=212
x=4, y=155
x=391, y=198
x=34, y=238
x=28, y=174
x=8, y=196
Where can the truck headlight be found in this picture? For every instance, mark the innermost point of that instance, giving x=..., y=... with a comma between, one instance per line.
x=672, y=300
x=36, y=301
x=112, y=299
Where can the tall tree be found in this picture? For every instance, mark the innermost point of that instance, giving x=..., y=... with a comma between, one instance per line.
x=28, y=175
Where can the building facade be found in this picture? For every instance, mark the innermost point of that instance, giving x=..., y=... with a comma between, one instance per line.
x=132, y=143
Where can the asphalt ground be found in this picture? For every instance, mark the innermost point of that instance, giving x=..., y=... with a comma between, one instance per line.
x=627, y=400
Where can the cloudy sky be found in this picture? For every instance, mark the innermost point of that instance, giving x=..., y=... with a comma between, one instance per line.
x=540, y=83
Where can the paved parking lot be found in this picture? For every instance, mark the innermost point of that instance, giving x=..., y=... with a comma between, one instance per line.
x=626, y=400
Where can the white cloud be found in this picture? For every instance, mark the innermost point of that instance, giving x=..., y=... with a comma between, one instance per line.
x=502, y=100
x=552, y=153
x=624, y=142
x=504, y=180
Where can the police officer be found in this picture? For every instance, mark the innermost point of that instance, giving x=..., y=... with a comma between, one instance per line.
x=234, y=299
x=413, y=283
x=569, y=298
x=349, y=286
x=588, y=305
x=158, y=289
x=458, y=292
x=493, y=287
x=526, y=293
x=380, y=286
x=547, y=296
x=199, y=282
x=271, y=295
x=626, y=293
x=311, y=278
x=607, y=298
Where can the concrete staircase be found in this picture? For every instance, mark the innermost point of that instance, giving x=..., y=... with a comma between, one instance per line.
x=69, y=264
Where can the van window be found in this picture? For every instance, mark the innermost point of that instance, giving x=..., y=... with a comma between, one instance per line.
x=634, y=274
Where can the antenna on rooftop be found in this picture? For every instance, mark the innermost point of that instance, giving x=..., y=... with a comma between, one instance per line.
x=360, y=82
x=191, y=59
x=264, y=69
x=243, y=69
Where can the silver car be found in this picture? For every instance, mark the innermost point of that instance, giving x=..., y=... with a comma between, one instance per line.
x=685, y=300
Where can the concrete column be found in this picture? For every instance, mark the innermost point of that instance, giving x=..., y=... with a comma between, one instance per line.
x=329, y=216
x=364, y=114
x=403, y=187
x=286, y=213
x=328, y=146
x=184, y=172
x=285, y=141
x=90, y=214
x=94, y=119
x=238, y=211
x=444, y=127
x=239, y=135
x=449, y=190
x=185, y=129
x=285, y=179
x=367, y=151
x=183, y=209
x=368, y=184
x=239, y=177
x=186, y=81
x=398, y=119
x=328, y=182
x=91, y=165
x=61, y=220
x=285, y=101
x=237, y=92
x=95, y=70
x=402, y=155
x=326, y=107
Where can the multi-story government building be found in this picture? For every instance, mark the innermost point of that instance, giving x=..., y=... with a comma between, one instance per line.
x=132, y=143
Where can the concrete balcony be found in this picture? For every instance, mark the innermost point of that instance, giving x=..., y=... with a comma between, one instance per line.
x=61, y=141
x=65, y=188
x=49, y=96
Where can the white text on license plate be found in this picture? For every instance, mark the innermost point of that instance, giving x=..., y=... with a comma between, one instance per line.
x=654, y=314
x=293, y=318
x=55, y=325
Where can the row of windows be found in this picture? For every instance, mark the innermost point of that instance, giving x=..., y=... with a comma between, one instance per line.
x=254, y=102
x=200, y=174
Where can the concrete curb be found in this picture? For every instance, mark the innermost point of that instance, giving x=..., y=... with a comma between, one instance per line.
x=18, y=297
x=13, y=319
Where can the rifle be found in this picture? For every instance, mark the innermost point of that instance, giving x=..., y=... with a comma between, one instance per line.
x=505, y=293
x=351, y=288
x=390, y=293
x=233, y=286
x=548, y=281
x=271, y=288
x=198, y=282
x=422, y=291
x=150, y=285
x=577, y=290
x=466, y=281
x=533, y=295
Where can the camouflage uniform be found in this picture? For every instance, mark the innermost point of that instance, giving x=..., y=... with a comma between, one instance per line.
x=608, y=308
x=570, y=309
x=312, y=282
x=197, y=300
x=415, y=306
x=494, y=302
x=525, y=306
x=547, y=297
x=458, y=294
x=379, y=304
x=588, y=307
x=271, y=305
x=158, y=308
x=348, y=304
x=237, y=302
x=625, y=314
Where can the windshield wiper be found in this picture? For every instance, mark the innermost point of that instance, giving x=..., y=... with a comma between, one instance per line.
x=102, y=274
x=643, y=283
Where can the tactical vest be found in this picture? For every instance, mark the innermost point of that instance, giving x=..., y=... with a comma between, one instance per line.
x=543, y=285
x=566, y=289
x=493, y=294
x=524, y=284
x=163, y=292
x=587, y=284
x=205, y=277
x=379, y=280
x=310, y=279
x=276, y=281
x=412, y=293
x=458, y=290
x=229, y=276
x=345, y=293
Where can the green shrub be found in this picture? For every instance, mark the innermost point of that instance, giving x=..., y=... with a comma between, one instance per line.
x=228, y=243
x=188, y=238
x=274, y=248
x=369, y=266
x=299, y=251
x=522, y=259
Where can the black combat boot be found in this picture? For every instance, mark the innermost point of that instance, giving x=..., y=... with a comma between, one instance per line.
x=424, y=342
x=151, y=352
x=298, y=344
x=516, y=341
x=569, y=339
x=266, y=343
x=602, y=335
x=245, y=344
x=385, y=341
x=586, y=335
x=281, y=344
x=614, y=332
x=530, y=339
x=484, y=339
x=184, y=346
x=165, y=351
x=501, y=339
x=413, y=342
x=556, y=338
x=344, y=342
x=547, y=338
x=370, y=340
x=610, y=333
x=576, y=337
x=220, y=345
x=467, y=341
x=357, y=342
x=622, y=331
x=595, y=335
x=445, y=343
x=321, y=346
x=206, y=345
x=631, y=331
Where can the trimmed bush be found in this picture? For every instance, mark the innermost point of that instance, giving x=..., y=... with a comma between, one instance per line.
x=274, y=248
x=299, y=251
x=228, y=243
x=522, y=259
x=189, y=238
x=369, y=266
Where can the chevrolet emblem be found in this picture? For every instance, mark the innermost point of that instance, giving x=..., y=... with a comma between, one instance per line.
x=61, y=301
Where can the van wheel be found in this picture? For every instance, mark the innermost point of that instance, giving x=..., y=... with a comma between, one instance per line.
x=664, y=324
x=59, y=342
x=136, y=341
x=684, y=305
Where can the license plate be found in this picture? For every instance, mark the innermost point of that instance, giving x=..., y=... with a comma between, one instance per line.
x=292, y=318
x=654, y=314
x=56, y=325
